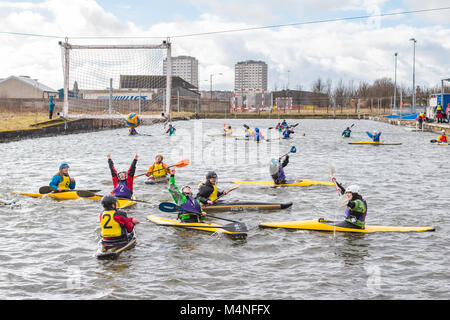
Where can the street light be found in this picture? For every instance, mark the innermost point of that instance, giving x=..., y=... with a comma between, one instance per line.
x=395, y=81
x=210, y=82
x=414, y=75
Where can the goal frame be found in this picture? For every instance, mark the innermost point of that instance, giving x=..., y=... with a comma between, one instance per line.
x=66, y=47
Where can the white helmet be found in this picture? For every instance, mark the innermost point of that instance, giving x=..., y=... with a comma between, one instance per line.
x=353, y=189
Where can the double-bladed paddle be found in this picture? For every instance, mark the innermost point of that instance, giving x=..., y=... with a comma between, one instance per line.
x=48, y=189
x=235, y=226
x=274, y=163
x=179, y=164
x=89, y=194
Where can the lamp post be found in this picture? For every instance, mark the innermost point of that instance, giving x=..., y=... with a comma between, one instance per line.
x=210, y=82
x=414, y=75
x=395, y=80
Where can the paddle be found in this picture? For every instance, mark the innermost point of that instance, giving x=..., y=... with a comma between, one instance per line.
x=227, y=193
x=292, y=150
x=89, y=194
x=179, y=164
x=237, y=226
x=274, y=163
x=48, y=189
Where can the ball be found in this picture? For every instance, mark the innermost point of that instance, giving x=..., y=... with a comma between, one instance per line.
x=133, y=120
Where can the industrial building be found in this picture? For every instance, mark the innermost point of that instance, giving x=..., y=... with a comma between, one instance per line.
x=24, y=87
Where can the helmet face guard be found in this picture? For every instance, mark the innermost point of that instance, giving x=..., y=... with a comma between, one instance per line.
x=211, y=175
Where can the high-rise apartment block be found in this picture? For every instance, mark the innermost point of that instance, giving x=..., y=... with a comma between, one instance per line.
x=184, y=67
x=250, y=74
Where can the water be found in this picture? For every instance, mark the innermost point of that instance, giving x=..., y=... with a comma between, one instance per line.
x=48, y=247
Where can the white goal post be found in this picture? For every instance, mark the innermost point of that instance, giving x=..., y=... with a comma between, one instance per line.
x=111, y=80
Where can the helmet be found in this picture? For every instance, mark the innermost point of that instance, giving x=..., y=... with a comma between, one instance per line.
x=122, y=171
x=353, y=189
x=443, y=131
x=159, y=155
x=183, y=189
x=108, y=201
x=257, y=129
x=211, y=174
x=63, y=165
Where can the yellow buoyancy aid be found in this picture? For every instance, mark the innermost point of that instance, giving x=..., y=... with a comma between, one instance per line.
x=158, y=166
x=110, y=227
x=65, y=183
x=213, y=195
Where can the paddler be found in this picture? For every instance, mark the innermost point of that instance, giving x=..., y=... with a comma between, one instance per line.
x=258, y=135
x=185, y=200
x=227, y=131
x=62, y=181
x=248, y=132
x=115, y=224
x=132, y=131
x=375, y=136
x=277, y=169
x=207, y=191
x=443, y=137
x=346, y=133
x=158, y=165
x=171, y=130
x=122, y=181
x=284, y=124
x=287, y=133
x=279, y=127
x=356, y=208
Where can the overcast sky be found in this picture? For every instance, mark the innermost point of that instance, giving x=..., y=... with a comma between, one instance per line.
x=351, y=50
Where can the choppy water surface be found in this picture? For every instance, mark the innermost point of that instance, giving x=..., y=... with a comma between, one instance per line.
x=48, y=247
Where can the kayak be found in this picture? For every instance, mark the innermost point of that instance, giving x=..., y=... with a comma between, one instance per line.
x=157, y=181
x=297, y=183
x=65, y=195
x=201, y=226
x=245, y=205
x=442, y=143
x=111, y=249
x=72, y=195
x=377, y=143
x=328, y=225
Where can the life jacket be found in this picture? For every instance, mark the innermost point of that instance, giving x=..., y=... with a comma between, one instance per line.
x=281, y=175
x=213, y=195
x=346, y=133
x=64, y=184
x=228, y=131
x=286, y=133
x=157, y=166
x=351, y=215
x=191, y=204
x=442, y=138
x=110, y=227
x=122, y=190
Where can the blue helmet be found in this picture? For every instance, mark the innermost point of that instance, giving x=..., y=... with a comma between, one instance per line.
x=256, y=129
x=63, y=165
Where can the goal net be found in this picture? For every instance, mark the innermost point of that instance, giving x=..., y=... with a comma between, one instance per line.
x=114, y=80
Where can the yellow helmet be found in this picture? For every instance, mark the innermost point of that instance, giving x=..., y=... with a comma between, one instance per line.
x=159, y=155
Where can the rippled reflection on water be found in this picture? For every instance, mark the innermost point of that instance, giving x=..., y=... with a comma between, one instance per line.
x=48, y=247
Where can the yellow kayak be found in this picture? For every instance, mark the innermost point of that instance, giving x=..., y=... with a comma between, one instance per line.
x=202, y=226
x=66, y=195
x=296, y=183
x=377, y=143
x=328, y=225
x=72, y=195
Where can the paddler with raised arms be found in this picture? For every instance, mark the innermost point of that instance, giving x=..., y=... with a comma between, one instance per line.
x=207, y=191
x=356, y=206
x=375, y=136
x=158, y=169
x=277, y=169
x=185, y=200
x=62, y=181
x=122, y=181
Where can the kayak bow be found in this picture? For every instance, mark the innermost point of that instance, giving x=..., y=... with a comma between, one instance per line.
x=245, y=205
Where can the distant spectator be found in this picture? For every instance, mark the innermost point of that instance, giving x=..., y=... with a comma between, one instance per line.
x=421, y=118
x=51, y=107
x=439, y=113
x=447, y=113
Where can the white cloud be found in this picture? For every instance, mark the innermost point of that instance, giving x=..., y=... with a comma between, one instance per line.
x=349, y=50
